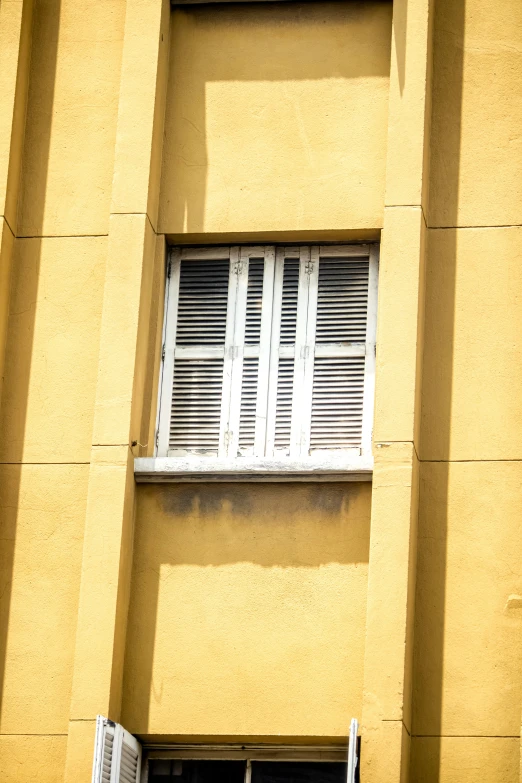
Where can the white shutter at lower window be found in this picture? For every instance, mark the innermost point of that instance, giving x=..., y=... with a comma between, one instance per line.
x=117, y=754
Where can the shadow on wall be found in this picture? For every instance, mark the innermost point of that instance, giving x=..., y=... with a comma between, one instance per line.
x=233, y=582
x=282, y=128
x=24, y=287
x=430, y=607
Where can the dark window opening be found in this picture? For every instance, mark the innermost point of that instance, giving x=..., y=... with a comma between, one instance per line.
x=178, y=771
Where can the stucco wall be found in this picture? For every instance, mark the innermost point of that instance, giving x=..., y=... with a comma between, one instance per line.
x=46, y=413
x=276, y=118
x=248, y=609
x=468, y=635
x=276, y=121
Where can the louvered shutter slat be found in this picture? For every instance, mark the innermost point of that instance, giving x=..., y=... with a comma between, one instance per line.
x=197, y=387
x=202, y=302
x=286, y=364
x=250, y=369
x=342, y=300
x=254, y=301
x=289, y=301
x=117, y=754
x=283, y=417
x=247, y=419
x=337, y=406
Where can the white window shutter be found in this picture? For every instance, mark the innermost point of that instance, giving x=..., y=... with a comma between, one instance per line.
x=269, y=353
x=339, y=362
x=282, y=351
x=254, y=314
x=199, y=313
x=117, y=754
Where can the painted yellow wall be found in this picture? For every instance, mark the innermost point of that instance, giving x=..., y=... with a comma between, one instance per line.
x=468, y=632
x=247, y=610
x=276, y=118
x=52, y=345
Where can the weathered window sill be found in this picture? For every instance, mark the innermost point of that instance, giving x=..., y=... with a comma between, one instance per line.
x=178, y=469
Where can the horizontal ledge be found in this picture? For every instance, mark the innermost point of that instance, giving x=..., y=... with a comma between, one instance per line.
x=177, y=469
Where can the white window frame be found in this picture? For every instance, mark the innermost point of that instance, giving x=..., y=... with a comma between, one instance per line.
x=265, y=463
x=245, y=752
x=250, y=752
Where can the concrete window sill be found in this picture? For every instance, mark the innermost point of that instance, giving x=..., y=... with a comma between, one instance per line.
x=176, y=469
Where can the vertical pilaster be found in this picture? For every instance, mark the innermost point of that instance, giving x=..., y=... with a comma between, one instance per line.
x=121, y=386
x=391, y=584
x=15, y=45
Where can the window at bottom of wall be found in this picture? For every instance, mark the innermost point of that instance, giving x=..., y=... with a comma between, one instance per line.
x=177, y=771
x=268, y=353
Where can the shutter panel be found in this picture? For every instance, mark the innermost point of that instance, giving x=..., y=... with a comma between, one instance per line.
x=289, y=301
x=282, y=359
x=339, y=353
x=342, y=300
x=337, y=403
x=202, y=302
x=304, y=347
x=196, y=406
x=103, y=750
x=283, y=415
x=108, y=746
x=254, y=352
x=202, y=315
x=254, y=304
x=130, y=760
x=117, y=754
x=247, y=418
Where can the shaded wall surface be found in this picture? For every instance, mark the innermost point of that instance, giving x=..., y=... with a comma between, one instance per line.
x=467, y=673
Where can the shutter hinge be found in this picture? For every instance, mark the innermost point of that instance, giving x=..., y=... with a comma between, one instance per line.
x=169, y=265
x=163, y=353
x=157, y=438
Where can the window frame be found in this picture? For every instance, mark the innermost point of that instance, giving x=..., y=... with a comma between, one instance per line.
x=299, y=463
x=347, y=753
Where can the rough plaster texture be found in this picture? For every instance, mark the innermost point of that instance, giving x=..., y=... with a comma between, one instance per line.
x=471, y=408
x=52, y=349
x=466, y=675
x=30, y=758
x=276, y=118
x=476, y=142
x=267, y=581
x=74, y=79
x=468, y=643
x=42, y=511
x=469, y=759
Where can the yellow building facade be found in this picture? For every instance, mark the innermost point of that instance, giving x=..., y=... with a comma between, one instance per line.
x=264, y=613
